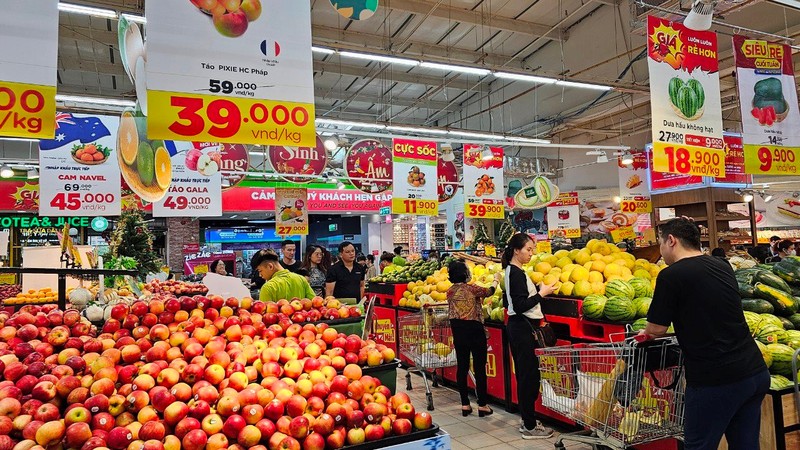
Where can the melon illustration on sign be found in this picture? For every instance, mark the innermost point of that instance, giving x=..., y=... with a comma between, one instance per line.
x=308, y=162
x=368, y=165
x=538, y=194
x=355, y=9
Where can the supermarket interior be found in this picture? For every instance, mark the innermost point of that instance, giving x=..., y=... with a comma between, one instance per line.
x=253, y=224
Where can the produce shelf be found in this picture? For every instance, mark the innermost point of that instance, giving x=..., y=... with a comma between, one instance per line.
x=397, y=440
x=62, y=277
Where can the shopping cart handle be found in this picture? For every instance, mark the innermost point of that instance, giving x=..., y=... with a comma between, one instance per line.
x=639, y=338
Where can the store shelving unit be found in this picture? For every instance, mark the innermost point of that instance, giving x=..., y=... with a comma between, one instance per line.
x=62, y=277
x=438, y=235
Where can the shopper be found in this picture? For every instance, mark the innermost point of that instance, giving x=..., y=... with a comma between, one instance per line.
x=398, y=259
x=524, y=315
x=726, y=378
x=719, y=253
x=346, y=278
x=255, y=279
x=280, y=283
x=785, y=249
x=219, y=268
x=362, y=260
x=288, y=248
x=469, y=337
x=317, y=270
x=773, y=245
x=372, y=271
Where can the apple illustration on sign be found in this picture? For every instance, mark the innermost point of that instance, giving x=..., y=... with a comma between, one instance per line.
x=230, y=17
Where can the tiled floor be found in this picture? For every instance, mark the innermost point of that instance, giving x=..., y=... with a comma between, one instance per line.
x=496, y=432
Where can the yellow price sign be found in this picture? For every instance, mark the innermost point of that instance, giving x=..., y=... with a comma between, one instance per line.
x=771, y=160
x=27, y=110
x=490, y=250
x=209, y=118
x=638, y=205
x=620, y=234
x=564, y=232
x=544, y=247
x=481, y=211
x=415, y=206
x=688, y=160
x=292, y=230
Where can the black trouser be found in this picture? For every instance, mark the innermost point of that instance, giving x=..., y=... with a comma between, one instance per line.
x=469, y=337
x=732, y=409
x=526, y=367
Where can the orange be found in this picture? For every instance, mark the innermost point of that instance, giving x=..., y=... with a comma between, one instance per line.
x=128, y=138
x=163, y=168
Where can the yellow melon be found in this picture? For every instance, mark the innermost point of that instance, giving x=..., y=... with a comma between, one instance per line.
x=598, y=266
x=549, y=279
x=582, y=288
x=595, y=277
x=579, y=273
x=565, y=276
x=624, y=263
x=612, y=269
x=128, y=138
x=596, y=257
x=642, y=273
x=550, y=259
x=561, y=254
x=543, y=267
x=536, y=277
x=573, y=253
x=582, y=257
x=566, y=288
x=562, y=262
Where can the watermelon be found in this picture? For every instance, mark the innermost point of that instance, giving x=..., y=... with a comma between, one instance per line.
x=768, y=333
x=593, y=306
x=769, y=318
x=641, y=287
x=792, y=339
x=765, y=354
x=674, y=85
x=639, y=324
x=781, y=359
x=619, y=309
x=620, y=288
x=779, y=382
x=757, y=305
x=787, y=324
x=642, y=305
x=795, y=319
x=753, y=320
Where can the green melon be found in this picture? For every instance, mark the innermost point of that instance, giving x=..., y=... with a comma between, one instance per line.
x=779, y=382
x=639, y=324
x=781, y=359
x=642, y=305
x=619, y=309
x=753, y=320
x=641, y=287
x=593, y=306
x=765, y=353
x=620, y=288
x=768, y=334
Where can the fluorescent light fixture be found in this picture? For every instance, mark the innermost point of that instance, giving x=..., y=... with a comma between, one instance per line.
x=33, y=174
x=475, y=135
x=768, y=198
x=579, y=85
x=95, y=100
x=18, y=139
x=134, y=18
x=452, y=68
x=256, y=153
x=527, y=140
x=416, y=129
x=87, y=10
x=380, y=58
x=787, y=3
x=324, y=50
x=6, y=171
x=347, y=123
x=522, y=77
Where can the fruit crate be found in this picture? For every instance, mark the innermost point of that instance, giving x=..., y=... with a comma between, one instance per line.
x=386, y=373
x=420, y=439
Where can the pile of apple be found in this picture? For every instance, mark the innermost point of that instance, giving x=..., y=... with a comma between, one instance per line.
x=191, y=373
x=300, y=310
x=175, y=287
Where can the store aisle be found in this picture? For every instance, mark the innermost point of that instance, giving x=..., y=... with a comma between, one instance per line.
x=496, y=432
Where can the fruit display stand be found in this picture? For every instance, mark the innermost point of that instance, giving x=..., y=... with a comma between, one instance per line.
x=386, y=373
x=62, y=275
x=780, y=422
x=565, y=316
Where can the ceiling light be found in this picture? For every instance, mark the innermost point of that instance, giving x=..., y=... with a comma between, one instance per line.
x=521, y=77
x=452, y=68
x=87, y=10
x=617, y=199
x=416, y=129
x=340, y=185
x=699, y=18
x=474, y=135
x=330, y=144
x=486, y=153
x=748, y=197
x=768, y=198
x=33, y=174
x=134, y=18
x=527, y=140
x=95, y=100
x=324, y=50
x=577, y=84
x=380, y=58
x=788, y=3
x=627, y=159
x=6, y=171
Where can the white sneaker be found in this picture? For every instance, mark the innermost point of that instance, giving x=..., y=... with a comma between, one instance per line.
x=538, y=432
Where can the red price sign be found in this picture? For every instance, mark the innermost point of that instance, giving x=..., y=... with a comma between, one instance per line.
x=415, y=206
x=771, y=159
x=688, y=160
x=208, y=118
x=180, y=202
x=480, y=211
x=73, y=201
x=292, y=230
x=636, y=206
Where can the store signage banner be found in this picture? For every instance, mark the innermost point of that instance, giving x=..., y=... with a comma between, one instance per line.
x=483, y=182
x=368, y=165
x=447, y=176
x=200, y=263
x=564, y=216
x=660, y=181
x=291, y=211
x=685, y=99
x=299, y=164
x=319, y=200
x=238, y=77
x=19, y=195
x=634, y=191
x=734, y=162
x=415, y=181
x=28, y=56
x=196, y=187
x=79, y=169
x=768, y=100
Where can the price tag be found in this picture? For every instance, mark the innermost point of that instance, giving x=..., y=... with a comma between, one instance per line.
x=291, y=211
x=543, y=247
x=191, y=193
x=415, y=206
x=480, y=211
x=564, y=232
x=195, y=117
x=771, y=160
x=181, y=202
x=292, y=230
x=688, y=160
x=620, y=234
x=637, y=205
x=414, y=173
x=82, y=200
x=27, y=110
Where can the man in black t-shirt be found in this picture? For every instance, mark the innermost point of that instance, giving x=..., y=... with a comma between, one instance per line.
x=726, y=377
x=345, y=279
x=288, y=249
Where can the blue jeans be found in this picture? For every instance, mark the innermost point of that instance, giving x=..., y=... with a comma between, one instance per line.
x=732, y=409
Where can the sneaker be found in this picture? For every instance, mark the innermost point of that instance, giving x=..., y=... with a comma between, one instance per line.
x=538, y=432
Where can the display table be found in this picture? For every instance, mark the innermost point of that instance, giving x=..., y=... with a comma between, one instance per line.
x=780, y=424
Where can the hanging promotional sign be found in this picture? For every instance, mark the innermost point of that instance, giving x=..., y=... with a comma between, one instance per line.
x=414, y=167
x=299, y=164
x=564, y=216
x=78, y=170
x=238, y=71
x=685, y=99
x=734, y=162
x=633, y=189
x=368, y=165
x=28, y=56
x=660, y=181
x=291, y=211
x=447, y=176
x=768, y=100
x=195, y=188
x=355, y=9
x=483, y=182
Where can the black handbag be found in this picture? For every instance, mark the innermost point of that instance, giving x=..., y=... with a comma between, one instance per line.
x=543, y=335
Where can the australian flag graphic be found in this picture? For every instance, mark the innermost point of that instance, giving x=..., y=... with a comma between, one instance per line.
x=69, y=128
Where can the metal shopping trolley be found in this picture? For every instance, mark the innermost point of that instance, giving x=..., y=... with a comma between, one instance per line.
x=625, y=393
x=426, y=339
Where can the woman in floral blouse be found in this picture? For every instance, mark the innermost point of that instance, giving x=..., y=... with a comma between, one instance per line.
x=469, y=336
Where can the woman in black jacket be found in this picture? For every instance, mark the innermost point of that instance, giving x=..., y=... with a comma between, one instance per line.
x=522, y=302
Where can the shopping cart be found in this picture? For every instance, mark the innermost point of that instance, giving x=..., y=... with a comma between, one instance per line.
x=426, y=339
x=625, y=393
